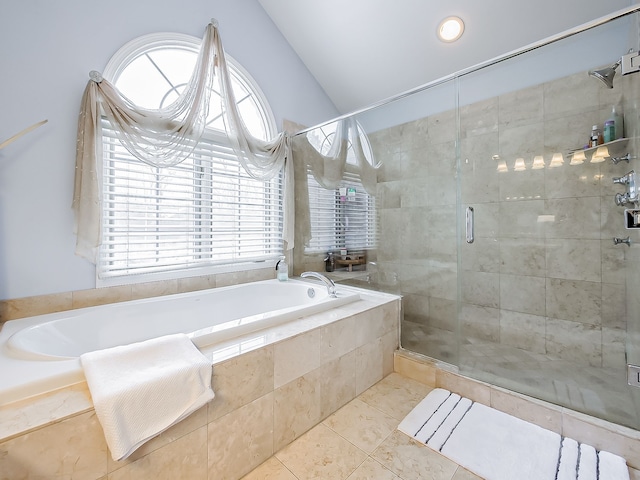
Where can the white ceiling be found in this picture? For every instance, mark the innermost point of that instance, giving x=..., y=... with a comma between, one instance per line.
x=363, y=51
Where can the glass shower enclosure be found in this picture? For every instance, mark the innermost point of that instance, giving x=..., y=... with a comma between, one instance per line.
x=497, y=220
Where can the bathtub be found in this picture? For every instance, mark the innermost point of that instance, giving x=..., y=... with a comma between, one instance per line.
x=41, y=353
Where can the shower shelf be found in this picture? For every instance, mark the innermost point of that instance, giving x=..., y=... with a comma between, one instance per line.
x=600, y=153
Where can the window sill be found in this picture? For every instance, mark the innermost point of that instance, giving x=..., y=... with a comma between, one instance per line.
x=185, y=273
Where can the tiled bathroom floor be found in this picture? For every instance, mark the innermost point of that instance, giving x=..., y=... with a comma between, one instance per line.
x=360, y=441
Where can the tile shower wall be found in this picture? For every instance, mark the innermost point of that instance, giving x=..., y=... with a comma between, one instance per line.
x=543, y=274
x=264, y=400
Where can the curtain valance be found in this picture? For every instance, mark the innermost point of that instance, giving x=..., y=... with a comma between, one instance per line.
x=328, y=170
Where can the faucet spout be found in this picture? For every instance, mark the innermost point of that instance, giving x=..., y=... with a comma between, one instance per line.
x=331, y=287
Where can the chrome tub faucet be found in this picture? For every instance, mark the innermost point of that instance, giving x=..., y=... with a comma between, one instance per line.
x=331, y=287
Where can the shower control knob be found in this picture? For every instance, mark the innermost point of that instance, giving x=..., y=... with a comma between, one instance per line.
x=618, y=241
x=624, y=158
x=621, y=199
x=621, y=180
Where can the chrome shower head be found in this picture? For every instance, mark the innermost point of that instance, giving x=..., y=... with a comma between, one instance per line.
x=606, y=74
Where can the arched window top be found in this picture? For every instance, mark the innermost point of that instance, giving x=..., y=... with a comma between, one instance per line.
x=322, y=139
x=152, y=70
x=204, y=215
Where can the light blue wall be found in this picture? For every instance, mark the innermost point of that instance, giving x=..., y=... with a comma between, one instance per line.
x=595, y=48
x=47, y=49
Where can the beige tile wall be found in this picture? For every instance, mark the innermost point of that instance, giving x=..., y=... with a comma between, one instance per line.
x=547, y=287
x=265, y=399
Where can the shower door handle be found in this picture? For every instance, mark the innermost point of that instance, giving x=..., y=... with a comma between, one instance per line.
x=469, y=224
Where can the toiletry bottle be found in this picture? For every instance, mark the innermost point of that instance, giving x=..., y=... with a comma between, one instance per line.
x=330, y=262
x=595, y=137
x=282, y=269
x=609, y=131
x=618, y=122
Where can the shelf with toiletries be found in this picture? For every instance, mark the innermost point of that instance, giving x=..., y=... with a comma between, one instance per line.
x=605, y=143
x=614, y=150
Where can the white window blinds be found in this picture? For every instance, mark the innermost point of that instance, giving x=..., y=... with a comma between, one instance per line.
x=205, y=211
x=204, y=215
x=342, y=218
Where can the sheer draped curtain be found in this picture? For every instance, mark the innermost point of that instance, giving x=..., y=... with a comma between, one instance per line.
x=166, y=137
x=328, y=169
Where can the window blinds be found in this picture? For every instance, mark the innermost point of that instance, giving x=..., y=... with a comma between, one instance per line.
x=342, y=218
x=203, y=212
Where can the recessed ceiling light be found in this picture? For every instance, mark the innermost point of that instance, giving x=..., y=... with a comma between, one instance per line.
x=450, y=29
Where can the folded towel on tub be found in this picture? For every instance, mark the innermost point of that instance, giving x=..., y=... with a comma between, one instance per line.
x=140, y=390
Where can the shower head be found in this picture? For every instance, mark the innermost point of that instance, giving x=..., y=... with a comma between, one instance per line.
x=606, y=74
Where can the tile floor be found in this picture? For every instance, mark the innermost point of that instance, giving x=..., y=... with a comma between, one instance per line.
x=360, y=441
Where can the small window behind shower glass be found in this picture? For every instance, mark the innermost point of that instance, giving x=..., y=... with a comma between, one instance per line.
x=344, y=218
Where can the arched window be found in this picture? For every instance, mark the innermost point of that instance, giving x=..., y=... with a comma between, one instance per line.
x=204, y=215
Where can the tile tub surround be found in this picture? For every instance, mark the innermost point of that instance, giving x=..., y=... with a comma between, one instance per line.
x=57, y=302
x=270, y=389
x=601, y=434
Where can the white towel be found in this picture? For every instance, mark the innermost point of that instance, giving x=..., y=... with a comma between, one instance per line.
x=140, y=390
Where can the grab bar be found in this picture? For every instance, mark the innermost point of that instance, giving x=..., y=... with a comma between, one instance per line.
x=469, y=223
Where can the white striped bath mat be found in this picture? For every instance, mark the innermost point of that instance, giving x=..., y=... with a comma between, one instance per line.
x=497, y=446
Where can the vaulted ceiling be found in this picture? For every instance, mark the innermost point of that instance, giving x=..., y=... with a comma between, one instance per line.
x=363, y=51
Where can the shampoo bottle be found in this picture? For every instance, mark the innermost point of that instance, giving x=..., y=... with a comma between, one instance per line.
x=618, y=123
x=609, y=131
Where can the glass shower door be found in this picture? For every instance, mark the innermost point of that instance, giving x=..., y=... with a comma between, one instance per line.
x=542, y=287
x=415, y=138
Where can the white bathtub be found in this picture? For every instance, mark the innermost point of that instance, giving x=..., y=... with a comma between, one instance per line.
x=41, y=353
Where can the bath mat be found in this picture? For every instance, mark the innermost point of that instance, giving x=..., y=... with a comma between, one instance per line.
x=497, y=446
